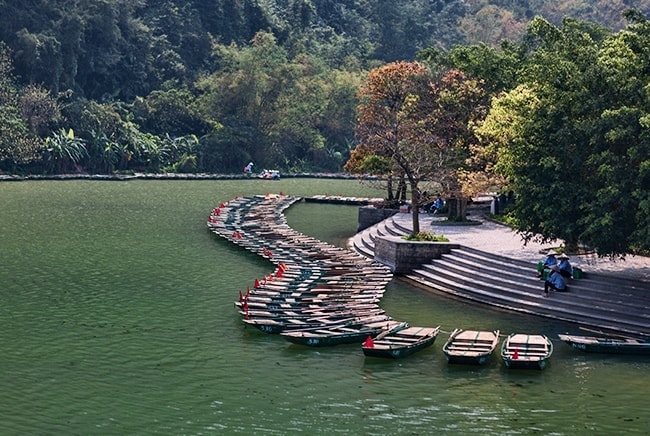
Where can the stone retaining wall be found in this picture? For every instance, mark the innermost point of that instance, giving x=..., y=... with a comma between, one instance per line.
x=370, y=215
x=402, y=256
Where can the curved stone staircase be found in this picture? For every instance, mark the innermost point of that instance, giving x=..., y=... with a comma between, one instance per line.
x=599, y=301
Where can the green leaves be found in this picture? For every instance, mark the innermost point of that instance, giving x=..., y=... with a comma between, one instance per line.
x=571, y=139
x=63, y=151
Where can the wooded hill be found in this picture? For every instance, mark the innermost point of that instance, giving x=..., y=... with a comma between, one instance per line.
x=135, y=85
x=121, y=49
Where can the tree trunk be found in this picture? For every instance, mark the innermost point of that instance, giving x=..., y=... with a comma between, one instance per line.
x=415, y=207
x=401, y=190
x=457, y=209
x=389, y=188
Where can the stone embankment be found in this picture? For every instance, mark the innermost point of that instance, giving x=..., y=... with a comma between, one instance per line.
x=164, y=176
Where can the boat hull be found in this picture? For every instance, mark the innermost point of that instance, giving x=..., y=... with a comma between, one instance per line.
x=590, y=344
x=468, y=360
x=401, y=343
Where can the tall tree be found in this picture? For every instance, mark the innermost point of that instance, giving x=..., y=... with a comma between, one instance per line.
x=572, y=141
x=418, y=126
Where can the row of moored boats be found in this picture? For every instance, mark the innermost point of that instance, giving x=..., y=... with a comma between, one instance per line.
x=322, y=295
x=471, y=347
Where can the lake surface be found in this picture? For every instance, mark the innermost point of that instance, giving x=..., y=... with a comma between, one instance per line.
x=117, y=317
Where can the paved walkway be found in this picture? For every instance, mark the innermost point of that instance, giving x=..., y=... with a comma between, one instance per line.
x=491, y=236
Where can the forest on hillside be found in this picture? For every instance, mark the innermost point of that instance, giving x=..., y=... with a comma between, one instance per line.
x=105, y=86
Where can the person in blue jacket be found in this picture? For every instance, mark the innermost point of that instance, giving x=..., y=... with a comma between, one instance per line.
x=548, y=263
x=437, y=205
x=564, y=266
x=554, y=282
x=558, y=275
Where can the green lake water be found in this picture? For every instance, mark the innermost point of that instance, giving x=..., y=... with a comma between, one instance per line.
x=117, y=317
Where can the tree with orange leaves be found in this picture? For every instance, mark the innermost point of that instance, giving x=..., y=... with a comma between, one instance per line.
x=415, y=125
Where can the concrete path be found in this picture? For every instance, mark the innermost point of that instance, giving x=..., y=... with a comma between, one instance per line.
x=500, y=239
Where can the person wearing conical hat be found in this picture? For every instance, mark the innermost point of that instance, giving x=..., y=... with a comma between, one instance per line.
x=548, y=263
x=564, y=266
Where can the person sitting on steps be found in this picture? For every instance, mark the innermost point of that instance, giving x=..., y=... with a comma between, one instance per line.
x=555, y=282
x=564, y=266
x=558, y=275
x=549, y=262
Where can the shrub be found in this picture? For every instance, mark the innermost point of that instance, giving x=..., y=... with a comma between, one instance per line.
x=426, y=236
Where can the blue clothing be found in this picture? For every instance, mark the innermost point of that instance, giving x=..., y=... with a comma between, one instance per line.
x=564, y=268
x=437, y=205
x=550, y=261
x=556, y=281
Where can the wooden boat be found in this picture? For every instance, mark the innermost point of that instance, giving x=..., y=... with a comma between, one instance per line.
x=339, y=334
x=269, y=175
x=400, y=342
x=595, y=344
x=472, y=347
x=526, y=351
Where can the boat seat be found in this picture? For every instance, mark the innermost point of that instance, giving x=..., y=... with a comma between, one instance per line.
x=470, y=353
x=524, y=354
x=400, y=338
x=389, y=344
x=461, y=348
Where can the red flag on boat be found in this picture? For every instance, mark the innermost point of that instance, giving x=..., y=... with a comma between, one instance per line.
x=257, y=283
x=222, y=205
x=368, y=343
x=279, y=273
x=241, y=297
x=515, y=355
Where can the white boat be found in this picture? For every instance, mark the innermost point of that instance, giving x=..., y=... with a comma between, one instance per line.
x=526, y=351
x=269, y=175
x=472, y=347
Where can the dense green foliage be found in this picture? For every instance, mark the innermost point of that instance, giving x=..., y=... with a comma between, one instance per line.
x=572, y=138
x=205, y=85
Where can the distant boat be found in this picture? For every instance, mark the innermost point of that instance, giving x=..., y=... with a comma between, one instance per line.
x=526, y=351
x=594, y=344
x=269, y=175
x=470, y=346
x=398, y=343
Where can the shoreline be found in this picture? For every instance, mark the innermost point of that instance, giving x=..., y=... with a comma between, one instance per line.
x=171, y=176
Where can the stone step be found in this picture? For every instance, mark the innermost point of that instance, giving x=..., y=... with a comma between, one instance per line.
x=518, y=264
x=540, y=306
x=627, y=291
x=508, y=283
x=601, y=287
x=500, y=285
